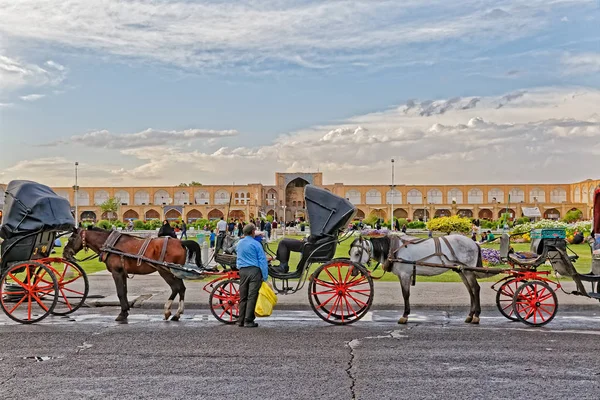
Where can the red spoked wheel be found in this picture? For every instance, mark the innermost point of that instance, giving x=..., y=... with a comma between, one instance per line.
x=28, y=292
x=73, y=285
x=535, y=303
x=505, y=296
x=225, y=300
x=339, y=295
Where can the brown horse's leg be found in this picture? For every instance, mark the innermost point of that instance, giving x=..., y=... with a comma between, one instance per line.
x=181, y=307
x=172, y=282
x=469, y=318
x=120, y=277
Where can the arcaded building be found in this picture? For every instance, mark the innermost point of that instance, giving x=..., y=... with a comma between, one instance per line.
x=285, y=199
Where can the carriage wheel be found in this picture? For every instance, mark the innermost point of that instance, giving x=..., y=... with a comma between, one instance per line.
x=225, y=300
x=535, y=303
x=28, y=292
x=337, y=295
x=73, y=285
x=504, y=298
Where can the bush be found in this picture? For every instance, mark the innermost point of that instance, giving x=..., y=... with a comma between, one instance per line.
x=521, y=221
x=450, y=224
x=573, y=216
x=152, y=224
x=416, y=225
x=139, y=225
x=104, y=224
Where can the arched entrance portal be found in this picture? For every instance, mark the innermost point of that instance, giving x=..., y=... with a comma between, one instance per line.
x=130, y=214
x=360, y=214
x=442, y=213
x=465, y=213
x=152, y=214
x=379, y=213
x=552, y=213
x=193, y=215
x=237, y=214
x=215, y=214
x=172, y=215
x=88, y=216
x=400, y=213
x=486, y=214
x=420, y=214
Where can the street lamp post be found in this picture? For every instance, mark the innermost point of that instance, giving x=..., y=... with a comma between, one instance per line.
x=76, y=188
x=284, y=207
x=393, y=226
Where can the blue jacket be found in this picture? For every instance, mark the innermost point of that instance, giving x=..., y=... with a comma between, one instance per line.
x=251, y=254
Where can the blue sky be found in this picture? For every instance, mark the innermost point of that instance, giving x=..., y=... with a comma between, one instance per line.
x=249, y=81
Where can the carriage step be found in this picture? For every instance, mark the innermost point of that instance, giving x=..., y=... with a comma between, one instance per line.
x=594, y=295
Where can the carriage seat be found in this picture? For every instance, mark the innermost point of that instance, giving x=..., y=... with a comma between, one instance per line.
x=526, y=258
x=320, y=249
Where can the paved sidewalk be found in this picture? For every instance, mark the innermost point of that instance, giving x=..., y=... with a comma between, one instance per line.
x=150, y=291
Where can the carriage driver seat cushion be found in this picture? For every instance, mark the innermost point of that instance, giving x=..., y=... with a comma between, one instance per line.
x=525, y=258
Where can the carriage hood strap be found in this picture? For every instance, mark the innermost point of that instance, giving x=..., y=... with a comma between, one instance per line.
x=109, y=244
x=164, y=249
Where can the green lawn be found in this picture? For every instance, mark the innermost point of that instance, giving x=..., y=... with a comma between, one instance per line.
x=583, y=265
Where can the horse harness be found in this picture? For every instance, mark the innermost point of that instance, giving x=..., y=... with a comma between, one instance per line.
x=109, y=247
x=445, y=261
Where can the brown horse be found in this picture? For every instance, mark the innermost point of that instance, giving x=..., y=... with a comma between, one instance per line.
x=176, y=253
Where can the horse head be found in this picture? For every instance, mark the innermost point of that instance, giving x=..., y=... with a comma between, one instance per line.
x=74, y=244
x=361, y=251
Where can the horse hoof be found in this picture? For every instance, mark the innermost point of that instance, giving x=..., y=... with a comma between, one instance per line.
x=167, y=315
x=475, y=321
x=403, y=320
x=121, y=317
x=175, y=318
x=469, y=319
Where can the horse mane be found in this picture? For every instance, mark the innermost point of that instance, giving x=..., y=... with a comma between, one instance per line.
x=96, y=229
x=381, y=247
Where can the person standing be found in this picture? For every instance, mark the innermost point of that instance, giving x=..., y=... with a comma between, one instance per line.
x=240, y=228
x=212, y=238
x=404, y=228
x=268, y=230
x=221, y=232
x=184, y=230
x=253, y=267
x=167, y=230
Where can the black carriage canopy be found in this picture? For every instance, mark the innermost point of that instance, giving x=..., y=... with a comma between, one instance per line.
x=327, y=213
x=31, y=207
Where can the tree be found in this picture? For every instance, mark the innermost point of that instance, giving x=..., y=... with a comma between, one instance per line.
x=110, y=207
x=573, y=216
x=192, y=183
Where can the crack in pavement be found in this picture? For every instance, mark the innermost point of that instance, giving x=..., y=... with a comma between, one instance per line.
x=352, y=345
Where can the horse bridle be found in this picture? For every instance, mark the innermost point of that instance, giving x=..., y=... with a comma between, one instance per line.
x=364, y=245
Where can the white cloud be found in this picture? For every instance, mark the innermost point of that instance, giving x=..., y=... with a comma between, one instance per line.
x=481, y=144
x=584, y=63
x=16, y=73
x=147, y=138
x=263, y=35
x=32, y=97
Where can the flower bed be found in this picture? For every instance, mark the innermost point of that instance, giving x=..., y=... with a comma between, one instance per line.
x=491, y=257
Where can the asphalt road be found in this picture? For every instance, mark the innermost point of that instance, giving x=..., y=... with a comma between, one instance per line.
x=294, y=355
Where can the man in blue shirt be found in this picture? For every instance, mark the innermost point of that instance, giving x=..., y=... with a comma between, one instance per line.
x=252, y=263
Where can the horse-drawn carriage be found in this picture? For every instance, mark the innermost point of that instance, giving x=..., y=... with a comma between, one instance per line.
x=33, y=284
x=339, y=291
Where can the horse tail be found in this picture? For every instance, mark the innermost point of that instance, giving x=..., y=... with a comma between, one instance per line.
x=193, y=250
x=479, y=257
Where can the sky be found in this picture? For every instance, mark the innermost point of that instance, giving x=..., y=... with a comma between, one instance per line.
x=161, y=92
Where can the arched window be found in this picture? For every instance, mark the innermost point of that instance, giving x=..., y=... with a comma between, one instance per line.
x=537, y=195
x=577, y=195
x=182, y=197
x=591, y=194
x=434, y=196
x=558, y=195
x=516, y=195
x=62, y=193
x=414, y=197
x=122, y=197
x=475, y=196
x=141, y=197
x=83, y=198
x=496, y=194
x=202, y=197
x=353, y=196
x=397, y=197
x=100, y=197
x=161, y=197
x=221, y=197
x=455, y=195
x=373, y=196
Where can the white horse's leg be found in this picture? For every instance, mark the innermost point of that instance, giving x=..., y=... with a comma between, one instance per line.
x=469, y=318
x=405, y=279
x=179, y=310
x=475, y=289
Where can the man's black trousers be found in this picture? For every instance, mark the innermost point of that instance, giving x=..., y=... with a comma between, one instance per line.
x=250, y=281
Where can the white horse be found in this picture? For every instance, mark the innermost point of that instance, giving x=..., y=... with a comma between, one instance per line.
x=420, y=256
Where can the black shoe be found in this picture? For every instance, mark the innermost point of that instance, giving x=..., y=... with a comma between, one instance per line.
x=250, y=325
x=241, y=325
